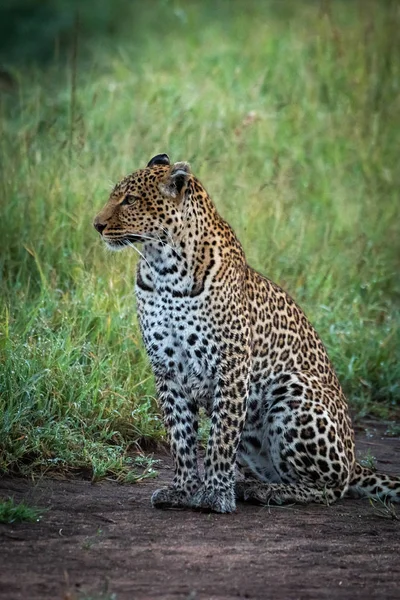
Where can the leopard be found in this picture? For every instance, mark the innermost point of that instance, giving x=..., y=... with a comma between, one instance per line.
x=224, y=339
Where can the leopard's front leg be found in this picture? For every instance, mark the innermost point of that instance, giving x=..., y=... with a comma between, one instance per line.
x=217, y=492
x=180, y=419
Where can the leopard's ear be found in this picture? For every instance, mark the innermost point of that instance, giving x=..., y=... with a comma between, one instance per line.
x=159, y=159
x=179, y=175
x=177, y=179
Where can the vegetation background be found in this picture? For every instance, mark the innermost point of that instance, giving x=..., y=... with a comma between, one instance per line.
x=289, y=112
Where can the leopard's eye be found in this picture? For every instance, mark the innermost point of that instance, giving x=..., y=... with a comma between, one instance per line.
x=129, y=199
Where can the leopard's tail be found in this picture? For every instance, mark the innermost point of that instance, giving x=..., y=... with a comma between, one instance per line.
x=366, y=482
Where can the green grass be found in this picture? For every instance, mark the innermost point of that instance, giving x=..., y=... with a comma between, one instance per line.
x=17, y=513
x=368, y=460
x=288, y=113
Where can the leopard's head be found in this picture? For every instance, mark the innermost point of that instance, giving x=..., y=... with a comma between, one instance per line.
x=145, y=205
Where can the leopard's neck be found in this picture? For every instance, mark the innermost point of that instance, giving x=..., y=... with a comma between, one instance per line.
x=186, y=260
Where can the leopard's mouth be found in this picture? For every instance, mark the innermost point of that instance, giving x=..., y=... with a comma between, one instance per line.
x=119, y=243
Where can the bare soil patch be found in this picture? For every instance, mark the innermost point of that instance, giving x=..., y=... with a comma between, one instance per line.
x=106, y=536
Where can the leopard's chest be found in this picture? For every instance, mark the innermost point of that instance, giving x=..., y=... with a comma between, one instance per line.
x=178, y=335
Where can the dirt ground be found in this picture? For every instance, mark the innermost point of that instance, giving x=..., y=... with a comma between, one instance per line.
x=105, y=541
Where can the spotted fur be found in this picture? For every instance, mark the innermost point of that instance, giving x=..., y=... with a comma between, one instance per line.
x=220, y=335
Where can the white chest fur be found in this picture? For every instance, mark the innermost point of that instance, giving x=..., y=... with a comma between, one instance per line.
x=177, y=330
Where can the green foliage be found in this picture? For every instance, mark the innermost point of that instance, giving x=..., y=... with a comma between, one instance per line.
x=17, y=513
x=288, y=113
x=383, y=509
x=368, y=460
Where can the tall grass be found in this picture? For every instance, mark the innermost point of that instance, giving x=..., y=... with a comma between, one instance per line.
x=289, y=114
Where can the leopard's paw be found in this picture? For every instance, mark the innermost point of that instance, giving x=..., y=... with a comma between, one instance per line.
x=170, y=497
x=214, y=499
x=260, y=493
x=240, y=488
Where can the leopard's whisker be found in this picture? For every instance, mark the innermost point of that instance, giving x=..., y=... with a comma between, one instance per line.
x=168, y=233
x=157, y=240
x=142, y=255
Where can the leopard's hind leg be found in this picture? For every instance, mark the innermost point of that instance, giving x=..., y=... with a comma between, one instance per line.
x=287, y=493
x=311, y=460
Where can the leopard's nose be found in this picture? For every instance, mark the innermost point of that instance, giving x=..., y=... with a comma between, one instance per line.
x=100, y=227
